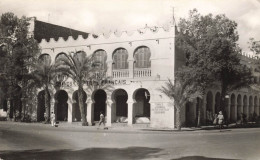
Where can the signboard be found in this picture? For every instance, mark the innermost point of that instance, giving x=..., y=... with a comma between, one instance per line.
x=160, y=108
x=69, y=84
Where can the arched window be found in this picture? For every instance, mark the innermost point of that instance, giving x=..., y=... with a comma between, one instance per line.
x=60, y=55
x=45, y=58
x=100, y=56
x=120, y=59
x=142, y=57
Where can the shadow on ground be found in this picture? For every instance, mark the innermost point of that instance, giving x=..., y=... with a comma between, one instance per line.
x=201, y=158
x=89, y=153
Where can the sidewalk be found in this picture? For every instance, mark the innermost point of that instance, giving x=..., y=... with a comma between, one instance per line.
x=76, y=126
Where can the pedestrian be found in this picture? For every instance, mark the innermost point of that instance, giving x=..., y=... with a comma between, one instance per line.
x=102, y=119
x=220, y=120
x=53, y=122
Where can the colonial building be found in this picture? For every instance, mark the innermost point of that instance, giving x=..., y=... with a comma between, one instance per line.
x=139, y=62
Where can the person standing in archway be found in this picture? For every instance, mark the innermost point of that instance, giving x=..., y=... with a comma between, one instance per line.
x=102, y=119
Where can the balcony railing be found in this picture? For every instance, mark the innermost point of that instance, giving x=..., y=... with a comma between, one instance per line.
x=142, y=72
x=138, y=72
x=122, y=73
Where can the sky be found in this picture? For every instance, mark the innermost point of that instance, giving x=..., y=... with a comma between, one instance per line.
x=102, y=16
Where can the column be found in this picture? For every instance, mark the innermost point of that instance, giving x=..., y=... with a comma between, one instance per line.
x=90, y=113
x=109, y=113
x=70, y=112
x=130, y=113
x=74, y=103
x=131, y=68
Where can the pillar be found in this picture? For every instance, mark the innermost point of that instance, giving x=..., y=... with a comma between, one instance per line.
x=73, y=109
x=130, y=113
x=109, y=113
x=70, y=112
x=90, y=113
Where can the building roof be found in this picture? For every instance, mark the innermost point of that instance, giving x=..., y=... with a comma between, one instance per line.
x=43, y=30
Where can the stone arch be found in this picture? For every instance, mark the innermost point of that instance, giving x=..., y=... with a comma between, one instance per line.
x=256, y=106
x=16, y=103
x=41, y=107
x=142, y=107
x=76, y=114
x=60, y=77
x=99, y=98
x=100, y=56
x=233, y=108
x=239, y=105
x=61, y=54
x=188, y=115
x=45, y=58
x=142, y=57
x=251, y=105
x=217, y=102
x=209, y=104
x=119, y=98
x=61, y=105
x=209, y=108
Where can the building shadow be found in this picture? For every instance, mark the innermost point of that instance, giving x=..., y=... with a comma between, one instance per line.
x=88, y=153
x=201, y=158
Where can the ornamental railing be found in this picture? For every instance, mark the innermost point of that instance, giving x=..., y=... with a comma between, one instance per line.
x=121, y=73
x=142, y=72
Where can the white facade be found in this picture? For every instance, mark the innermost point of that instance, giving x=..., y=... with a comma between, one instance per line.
x=159, y=111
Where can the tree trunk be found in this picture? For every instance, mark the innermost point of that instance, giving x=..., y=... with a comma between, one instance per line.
x=47, y=105
x=82, y=106
x=178, y=119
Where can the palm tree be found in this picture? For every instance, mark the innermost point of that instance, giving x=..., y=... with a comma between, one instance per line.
x=180, y=92
x=43, y=76
x=79, y=67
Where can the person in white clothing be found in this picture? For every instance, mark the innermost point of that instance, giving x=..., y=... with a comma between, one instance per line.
x=53, y=119
x=220, y=120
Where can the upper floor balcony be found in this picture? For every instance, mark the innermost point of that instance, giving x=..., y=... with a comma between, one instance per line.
x=137, y=72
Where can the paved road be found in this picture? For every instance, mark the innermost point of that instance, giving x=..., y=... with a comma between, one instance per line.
x=38, y=141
